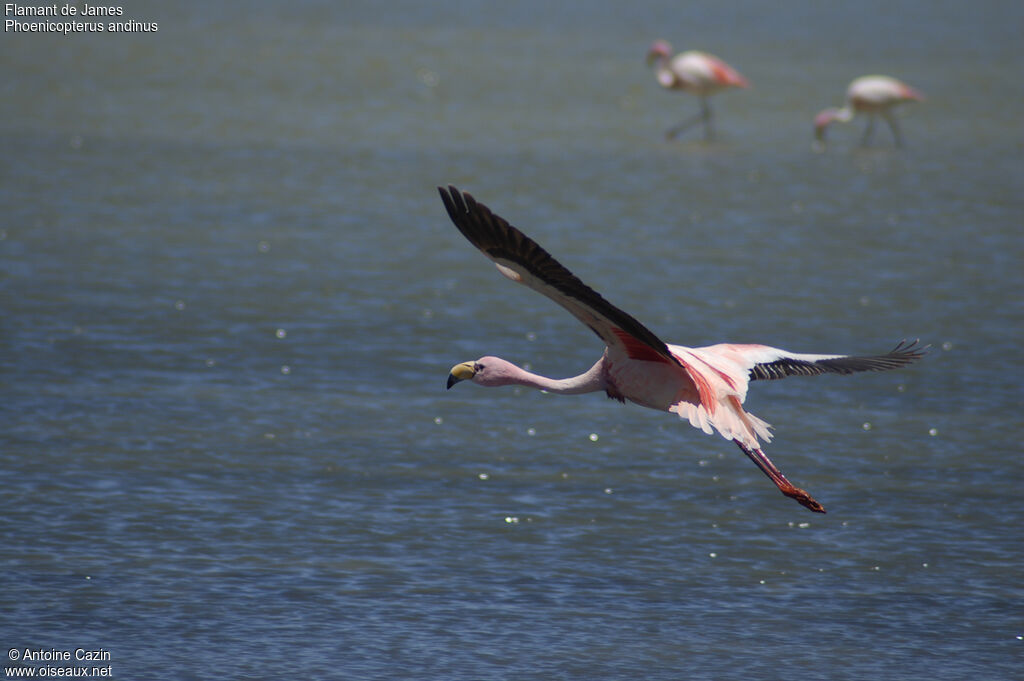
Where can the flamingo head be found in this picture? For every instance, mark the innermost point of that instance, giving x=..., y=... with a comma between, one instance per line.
x=826, y=118
x=659, y=50
x=486, y=371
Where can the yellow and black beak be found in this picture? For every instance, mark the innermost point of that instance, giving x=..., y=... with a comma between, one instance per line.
x=460, y=372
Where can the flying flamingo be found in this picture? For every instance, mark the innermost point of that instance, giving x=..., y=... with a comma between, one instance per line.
x=871, y=95
x=705, y=385
x=701, y=73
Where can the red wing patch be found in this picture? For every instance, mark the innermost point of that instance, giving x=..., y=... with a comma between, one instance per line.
x=707, y=395
x=637, y=349
x=726, y=75
x=721, y=374
x=727, y=378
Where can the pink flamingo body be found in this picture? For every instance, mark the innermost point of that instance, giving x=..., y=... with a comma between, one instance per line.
x=872, y=96
x=705, y=385
x=698, y=73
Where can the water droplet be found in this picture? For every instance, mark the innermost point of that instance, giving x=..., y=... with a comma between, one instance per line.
x=866, y=426
x=511, y=519
x=609, y=490
x=211, y=362
x=179, y=305
x=281, y=333
x=438, y=420
x=263, y=246
x=933, y=431
x=286, y=369
x=428, y=77
x=483, y=476
x=713, y=555
x=531, y=431
x=593, y=437
x=531, y=336
x=947, y=345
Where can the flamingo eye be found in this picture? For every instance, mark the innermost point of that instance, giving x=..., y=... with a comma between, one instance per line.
x=478, y=367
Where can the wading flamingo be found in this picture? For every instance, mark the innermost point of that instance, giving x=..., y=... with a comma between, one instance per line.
x=701, y=73
x=705, y=385
x=871, y=95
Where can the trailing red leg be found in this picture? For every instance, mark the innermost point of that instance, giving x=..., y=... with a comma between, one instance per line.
x=776, y=476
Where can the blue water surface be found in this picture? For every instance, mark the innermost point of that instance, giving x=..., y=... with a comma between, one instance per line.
x=230, y=297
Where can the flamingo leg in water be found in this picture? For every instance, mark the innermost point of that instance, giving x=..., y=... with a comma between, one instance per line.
x=674, y=132
x=703, y=116
x=895, y=127
x=869, y=131
x=776, y=476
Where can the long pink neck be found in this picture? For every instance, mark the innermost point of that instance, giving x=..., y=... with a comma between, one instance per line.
x=588, y=382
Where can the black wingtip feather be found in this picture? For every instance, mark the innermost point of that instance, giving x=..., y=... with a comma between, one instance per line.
x=903, y=354
x=453, y=202
x=475, y=220
x=496, y=237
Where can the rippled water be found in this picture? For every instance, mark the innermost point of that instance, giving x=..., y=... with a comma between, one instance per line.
x=230, y=299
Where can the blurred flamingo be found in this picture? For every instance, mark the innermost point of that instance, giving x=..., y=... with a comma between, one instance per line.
x=700, y=73
x=871, y=95
x=706, y=386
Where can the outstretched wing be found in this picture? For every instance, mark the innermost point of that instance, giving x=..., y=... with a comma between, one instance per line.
x=521, y=259
x=765, y=363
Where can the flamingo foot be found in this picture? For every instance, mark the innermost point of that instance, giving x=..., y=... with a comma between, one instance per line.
x=776, y=476
x=805, y=499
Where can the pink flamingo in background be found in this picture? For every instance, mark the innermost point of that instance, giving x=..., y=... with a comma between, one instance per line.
x=871, y=95
x=701, y=73
x=705, y=385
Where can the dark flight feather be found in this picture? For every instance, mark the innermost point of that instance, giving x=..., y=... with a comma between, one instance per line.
x=904, y=353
